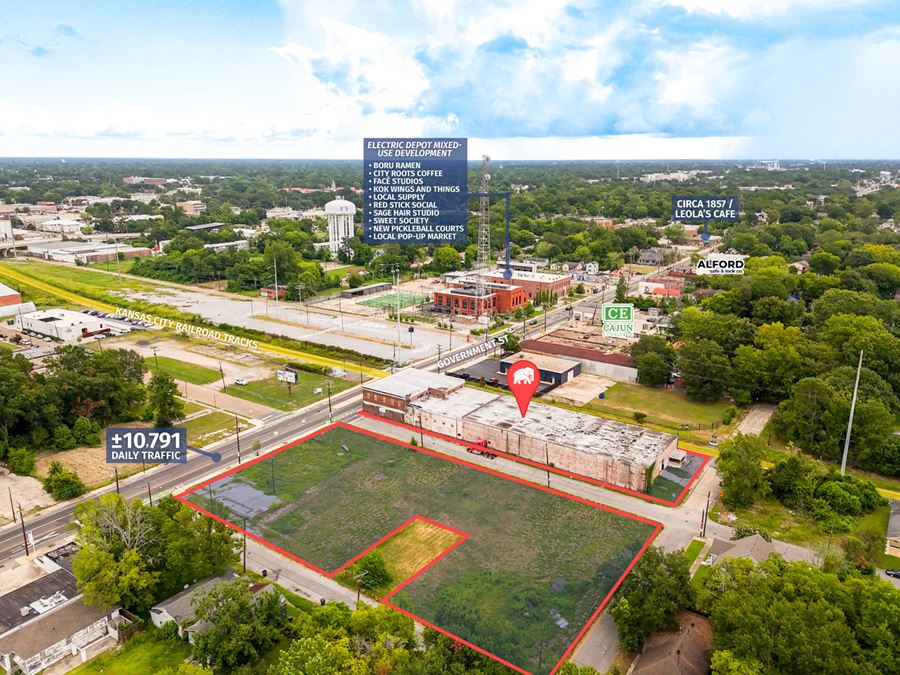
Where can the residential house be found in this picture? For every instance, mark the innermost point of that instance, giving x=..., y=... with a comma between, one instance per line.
x=179, y=608
x=754, y=548
x=685, y=651
x=892, y=546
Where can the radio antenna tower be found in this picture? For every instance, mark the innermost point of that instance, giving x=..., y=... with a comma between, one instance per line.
x=484, y=230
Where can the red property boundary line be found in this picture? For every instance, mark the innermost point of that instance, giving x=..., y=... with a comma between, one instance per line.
x=182, y=497
x=560, y=472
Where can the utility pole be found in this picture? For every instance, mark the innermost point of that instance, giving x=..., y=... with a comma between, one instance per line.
x=222, y=373
x=155, y=358
x=275, y=265
x=852, y=409
x=11, y=506
x=116, y=469
x=245, y=544
x=273, y=474
x=149, y=495
x=237, y=431
x=358, y=578
x=24, y=534
x=439, y=358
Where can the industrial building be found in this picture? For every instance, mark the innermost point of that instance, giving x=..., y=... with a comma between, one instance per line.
x=389, y=397
x=369, y=289
x=598, y=355
x=61, y=324
x=622, y=454
x=85, y=253
x=553, y=370
x=9, y=296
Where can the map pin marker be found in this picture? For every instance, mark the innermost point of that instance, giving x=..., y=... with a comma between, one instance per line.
x=523, y=378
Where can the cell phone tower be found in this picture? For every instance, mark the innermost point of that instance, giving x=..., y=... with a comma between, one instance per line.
x=484, y=231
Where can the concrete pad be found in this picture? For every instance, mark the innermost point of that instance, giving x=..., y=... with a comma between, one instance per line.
x=756, y=419
x=582, y=390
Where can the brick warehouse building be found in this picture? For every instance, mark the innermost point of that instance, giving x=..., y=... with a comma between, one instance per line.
x=462, y=299
x=389, y=397
x=622, y=454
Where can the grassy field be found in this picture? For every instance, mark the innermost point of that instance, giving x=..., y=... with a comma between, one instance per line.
x=702, y=572
x=181, y=370
x=274, y=394
x=190, y=407
x=123, y=266
x=40, y=298
x=78, y=279
x=144, y=653
x=662, y=407
x=405, y=553
x=532, y=557
x=210, y=428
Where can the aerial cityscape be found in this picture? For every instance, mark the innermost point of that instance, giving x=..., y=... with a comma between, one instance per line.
x=440, y=338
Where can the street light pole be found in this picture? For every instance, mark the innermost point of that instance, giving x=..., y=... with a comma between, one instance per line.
x=155, y=358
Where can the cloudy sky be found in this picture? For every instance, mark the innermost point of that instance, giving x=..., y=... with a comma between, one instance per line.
x=530, y=79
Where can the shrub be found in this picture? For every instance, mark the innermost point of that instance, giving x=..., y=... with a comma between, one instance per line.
x=747, y=530
x=640, y=417
x=729, y=414
x=21, y=461
x=62, y=483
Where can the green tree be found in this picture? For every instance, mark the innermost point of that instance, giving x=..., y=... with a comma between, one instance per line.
x=315, y=655
x=376, y=573
x=21, y=461
x=241, y=626
x=511, y=344
x=653, y=369
x=621, y=289
x=740, y=469
x=704, y=368
x=164, y=401
x=446, y=259
x=651, y=596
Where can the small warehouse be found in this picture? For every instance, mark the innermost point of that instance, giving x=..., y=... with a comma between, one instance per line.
x=362, y=291
x=553, y=370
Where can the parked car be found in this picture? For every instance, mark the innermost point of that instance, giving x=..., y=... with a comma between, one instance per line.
x=893, y=573
x=241, y=381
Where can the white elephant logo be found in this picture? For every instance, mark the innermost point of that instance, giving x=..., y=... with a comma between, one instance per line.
x=523, y=376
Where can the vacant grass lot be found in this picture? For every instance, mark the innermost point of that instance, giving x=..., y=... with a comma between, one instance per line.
x=145, y=653
x=210, y=428
x=274, y=394
x=181, y=370
x=535, y=563
x=662, y=407
x=406, y=553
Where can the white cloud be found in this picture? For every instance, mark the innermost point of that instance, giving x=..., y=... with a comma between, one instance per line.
x=757, y=9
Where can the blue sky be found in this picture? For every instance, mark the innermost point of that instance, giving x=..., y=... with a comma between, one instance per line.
x=530, y=79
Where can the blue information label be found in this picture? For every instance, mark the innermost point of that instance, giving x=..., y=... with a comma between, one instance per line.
x=702, y=209
x=153, y=446
x=416, y=190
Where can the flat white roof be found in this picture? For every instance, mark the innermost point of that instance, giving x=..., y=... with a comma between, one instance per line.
x=584, y=433
x=6, y=290
x=412, y=381
x=549, y=363
x=458, y=404
x=531, y=276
